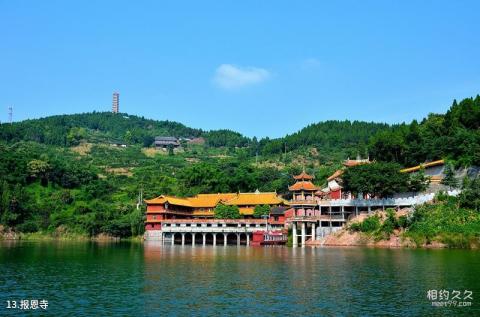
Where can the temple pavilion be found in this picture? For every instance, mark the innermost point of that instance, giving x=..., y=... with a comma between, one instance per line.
x=303, y=195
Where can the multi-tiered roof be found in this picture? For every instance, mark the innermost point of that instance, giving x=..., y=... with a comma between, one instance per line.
x=303, y=191
x=303, y=183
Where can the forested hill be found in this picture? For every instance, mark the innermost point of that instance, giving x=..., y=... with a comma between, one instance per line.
x=453, y=135
x=65, y=130
x=327, y=135
x=105, y=127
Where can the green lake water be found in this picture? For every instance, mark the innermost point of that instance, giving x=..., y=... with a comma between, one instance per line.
x=135, y=279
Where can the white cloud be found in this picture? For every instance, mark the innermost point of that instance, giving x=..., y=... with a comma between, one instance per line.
x=229, y=76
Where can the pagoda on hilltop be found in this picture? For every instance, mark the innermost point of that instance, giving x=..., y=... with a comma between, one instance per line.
x=303, y=195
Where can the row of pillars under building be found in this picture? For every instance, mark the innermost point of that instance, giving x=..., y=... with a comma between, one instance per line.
x=204, y=238
x=303, y=235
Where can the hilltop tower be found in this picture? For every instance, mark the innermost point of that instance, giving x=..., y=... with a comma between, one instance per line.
x=116, y=102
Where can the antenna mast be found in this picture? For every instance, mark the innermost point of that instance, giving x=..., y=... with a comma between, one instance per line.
x=10, y=114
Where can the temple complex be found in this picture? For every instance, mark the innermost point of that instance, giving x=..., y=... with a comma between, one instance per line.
x=312, y=213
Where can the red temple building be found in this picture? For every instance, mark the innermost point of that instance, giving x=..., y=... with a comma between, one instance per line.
x=202, y=206
x=178, y=220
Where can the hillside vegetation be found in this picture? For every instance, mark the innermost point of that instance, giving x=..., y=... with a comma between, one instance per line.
x=449, y=221
x=61, y=175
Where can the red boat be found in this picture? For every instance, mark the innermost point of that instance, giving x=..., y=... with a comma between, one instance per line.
x=271, y=237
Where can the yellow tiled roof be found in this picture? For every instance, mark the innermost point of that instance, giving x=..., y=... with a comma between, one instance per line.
x=246, y=211
x=212, y=200
x=209, y=200
x=256, y=198
x=171, y=200
x=416, y=168
x=337, y=173
x=205, y=213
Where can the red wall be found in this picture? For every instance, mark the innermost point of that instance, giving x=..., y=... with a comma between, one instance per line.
x=336, y=194
x=155, y=208
x=257, y=236
x=153, y=226
x=157, y=217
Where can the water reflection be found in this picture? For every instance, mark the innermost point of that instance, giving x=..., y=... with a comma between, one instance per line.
x=303, y=281
x=135, y=279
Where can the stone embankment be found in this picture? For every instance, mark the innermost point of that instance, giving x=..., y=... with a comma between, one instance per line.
x=347, y=238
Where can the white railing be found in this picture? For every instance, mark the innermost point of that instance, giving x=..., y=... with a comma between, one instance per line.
x=213, y=229
x=400, y=201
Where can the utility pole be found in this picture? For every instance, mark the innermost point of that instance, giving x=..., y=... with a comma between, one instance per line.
x=140, y=197
x=10, y=114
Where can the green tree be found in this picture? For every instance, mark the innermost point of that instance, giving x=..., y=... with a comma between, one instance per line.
x=377, y=179
x=261, y=210
x=226, y=212
x=148, y=140
x=418, y=182
x=38, y=169
x=388, y=146
x=470, y=195
x=449, y=179
x=75, y=135
x=170, y=150
x=128, y=137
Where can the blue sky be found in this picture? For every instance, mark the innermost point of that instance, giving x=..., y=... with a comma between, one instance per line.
x=264, y=68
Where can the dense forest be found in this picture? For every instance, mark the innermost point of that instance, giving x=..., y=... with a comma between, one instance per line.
x=61, y=175
x=454, y=136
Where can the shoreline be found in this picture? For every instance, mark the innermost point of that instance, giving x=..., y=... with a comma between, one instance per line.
x=382, y=244
x=74, y=237
x=346, y=238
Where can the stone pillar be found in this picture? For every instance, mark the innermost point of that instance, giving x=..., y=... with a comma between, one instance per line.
x=173, y=238
x=238, y=239
x=204, y=239
x=303, y=233
x=294, y=232
x=214, y=239
x=193, y=238
x=183, y=238
x=225, y=239
x=248, y=239
x=314, y=232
